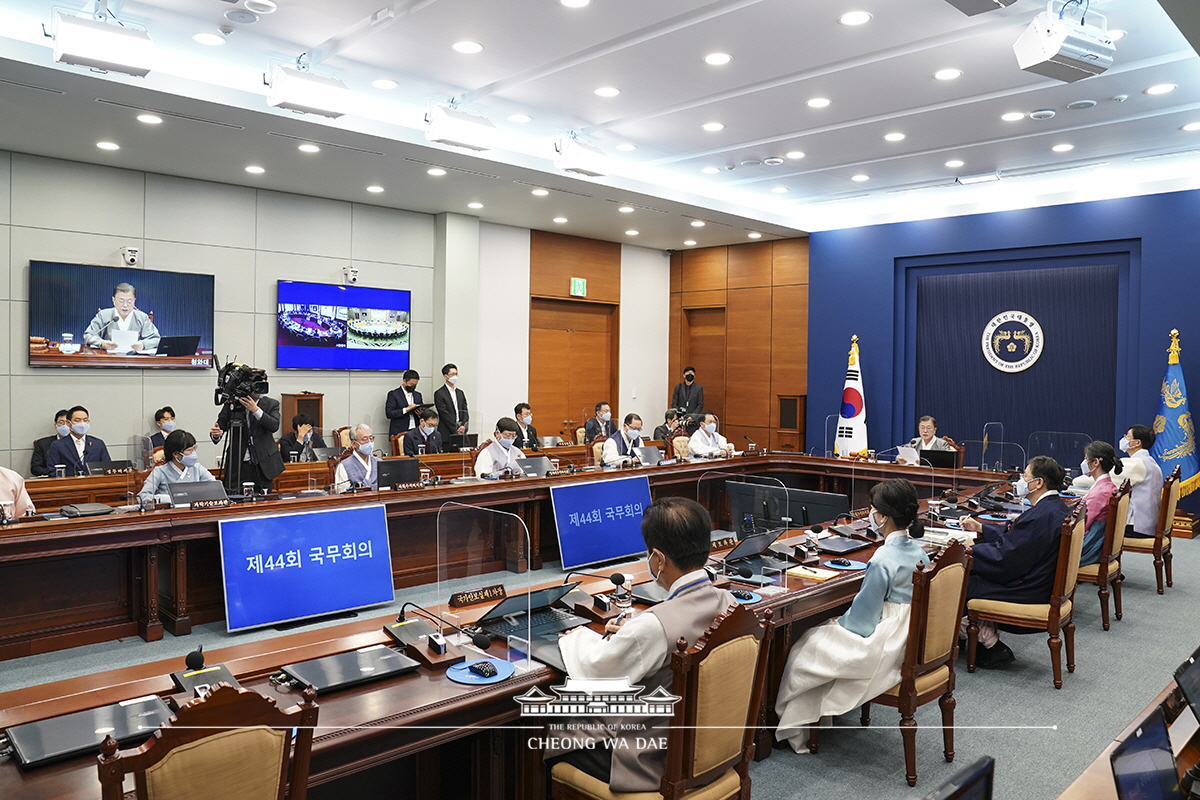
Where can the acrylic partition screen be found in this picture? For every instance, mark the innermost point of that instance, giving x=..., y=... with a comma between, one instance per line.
x=283, y=567
x=600, y=520
x=325, y=326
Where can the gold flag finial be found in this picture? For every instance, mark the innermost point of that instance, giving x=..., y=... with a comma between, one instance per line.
x=853, y=349
x=1173, y=350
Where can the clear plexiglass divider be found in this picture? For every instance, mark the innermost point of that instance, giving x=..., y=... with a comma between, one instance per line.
x=761, y=491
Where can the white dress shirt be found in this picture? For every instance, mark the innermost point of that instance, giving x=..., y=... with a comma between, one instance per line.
x=609, y=456
x=704, y=444
x=497, y=458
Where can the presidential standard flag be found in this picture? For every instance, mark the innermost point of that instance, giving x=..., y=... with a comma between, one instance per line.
x=1174, y=430
x=851, y=436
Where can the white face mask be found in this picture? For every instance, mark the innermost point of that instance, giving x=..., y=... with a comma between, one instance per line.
x=606, y=416
x=189, y=459
x=308, y=436
x=453, y=379
x=1123, y=445
x=872, y=523
x=366, y=448
x=428, y=429
x=1084, y=469
x=711, y=427
x=527, y=419
x=505, y=443
x=62, y=430
x=634, y=435
x=168, y=425
x=81, y=428
x=1021, y=487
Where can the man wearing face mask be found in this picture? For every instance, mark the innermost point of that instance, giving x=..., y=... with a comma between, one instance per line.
x=451, y=406
x=707, y=443
x=39, y=467
x=688, y=397
x=527, y=438
x=359, y=468
x=298, y=444
x=1145, y=497
x=404, y=404
x=618, y=449
x=180, y=465
x=500, y=457
x=425, y=435
x=599, y=425
x=1015, y=563
x=78, y=449
x=676, y=532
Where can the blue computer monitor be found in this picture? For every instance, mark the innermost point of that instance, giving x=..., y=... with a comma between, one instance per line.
x=284, y=567
x=1143, y=765
x=600, y=520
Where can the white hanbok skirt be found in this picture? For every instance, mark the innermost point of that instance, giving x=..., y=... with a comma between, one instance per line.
x=832, y=670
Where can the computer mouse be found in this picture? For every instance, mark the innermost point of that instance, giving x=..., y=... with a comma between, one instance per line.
x=841, y=562
x=742, y=594
x=484, y=669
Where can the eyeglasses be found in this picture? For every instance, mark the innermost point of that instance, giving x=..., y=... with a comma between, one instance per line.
x=365, y=439
x=125, y=303
x=512, y=437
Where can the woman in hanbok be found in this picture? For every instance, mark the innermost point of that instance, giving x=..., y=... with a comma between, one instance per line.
x=845, y=662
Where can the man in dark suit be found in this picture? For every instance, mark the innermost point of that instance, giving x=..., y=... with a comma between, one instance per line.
x=424, y=434
x=78, y=449
x=688, y=397
x=527, y=437
x=670, y=427
x=599, y=425
x=299, y=443
x=38, y=466
x=451, y=405
x=403, y=404
x=255, y=457
x=1016, y=562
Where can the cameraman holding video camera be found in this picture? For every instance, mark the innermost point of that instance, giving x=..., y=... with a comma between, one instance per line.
x=251, y=454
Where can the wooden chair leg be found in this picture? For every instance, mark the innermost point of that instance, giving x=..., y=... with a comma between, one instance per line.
x=1116, y=589
x=908, y=732
x=1055, y=644
x=1103, y=593
x=1167, y=559
x=1069, y=630
x=813, y=732
x=865, y=718
x=1158, y=571
x=972, y=642
x=948, y=703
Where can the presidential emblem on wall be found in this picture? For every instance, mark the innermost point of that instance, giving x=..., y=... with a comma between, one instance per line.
x=1012, y=341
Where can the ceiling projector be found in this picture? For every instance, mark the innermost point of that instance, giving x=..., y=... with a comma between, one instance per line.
x=1064, y=48
x=973, y=7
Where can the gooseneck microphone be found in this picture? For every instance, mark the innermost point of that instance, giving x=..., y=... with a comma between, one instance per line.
x=480, y=640
x=618, y=579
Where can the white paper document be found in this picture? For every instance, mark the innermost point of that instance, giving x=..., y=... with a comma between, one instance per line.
x=124, y=340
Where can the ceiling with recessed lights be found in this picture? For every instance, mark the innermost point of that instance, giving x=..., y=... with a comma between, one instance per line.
x=761, y=118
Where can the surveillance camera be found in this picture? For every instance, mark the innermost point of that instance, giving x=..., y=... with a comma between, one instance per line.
x=129, y=255
x=350, y=274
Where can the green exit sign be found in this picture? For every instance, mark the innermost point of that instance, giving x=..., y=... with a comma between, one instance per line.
x=578, y=287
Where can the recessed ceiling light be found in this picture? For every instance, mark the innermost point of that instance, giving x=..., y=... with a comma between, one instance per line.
x=690, y=242
x=255, y=170
x=861, y=178
x=540, y=192
x=1116, y=35
x=710, y=170
x=954, y=163
x=854, y=18
x=262, y=6
x=520, y=119
x=718, y=59
x=1063, y=148
x=818, y=102
x=948, y=74
x=780, y=190
x=475, y=205
x=607, y=91
x=1161, y=88
x=626, y=147
x=1012, y=116
x=894, y=137
x=560, y=220
x=469, y=48
x=108, y=145
x=437, y=172
x=626, y=209
x=713, y=127
x=697, y=223
x=574, y=3
x=374, y=189
x=209, y=39
x=631, y=233
x=795, y=154
x=755, y=235
x=308, y=148
x=1191, y=126
x=384, y=83
x=149, y=119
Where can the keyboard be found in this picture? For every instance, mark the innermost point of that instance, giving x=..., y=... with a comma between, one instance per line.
x=543, y=616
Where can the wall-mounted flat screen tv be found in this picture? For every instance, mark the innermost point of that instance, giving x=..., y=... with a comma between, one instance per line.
x=326, y=326
x=83, y=315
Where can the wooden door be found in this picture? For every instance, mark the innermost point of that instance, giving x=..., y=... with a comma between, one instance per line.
x=704, y=349
x=572, y=358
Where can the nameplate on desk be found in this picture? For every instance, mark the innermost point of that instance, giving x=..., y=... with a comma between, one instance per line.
x=723, y=544
x=488, y=594
x=219, y=502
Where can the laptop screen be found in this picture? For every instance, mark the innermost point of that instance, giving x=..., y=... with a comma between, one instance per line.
x=183, y=493
x=1188, y=678
x=976, y=782
x=754, y=545
x=392, y=471
x=517, y=604
x=1143, y=765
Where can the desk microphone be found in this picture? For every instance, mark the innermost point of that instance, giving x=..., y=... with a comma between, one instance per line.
x=434, y=480
x=573, y=469
x=751, y=441
x=618, y=579
x=480, y=640
x=896, y=448
x=195, y=660
x=741, y=570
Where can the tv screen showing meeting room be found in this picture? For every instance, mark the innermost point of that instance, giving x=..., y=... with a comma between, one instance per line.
x=326, y=326
x=83, y=315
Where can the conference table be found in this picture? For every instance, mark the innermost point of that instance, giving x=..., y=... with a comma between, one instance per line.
x=419, y=729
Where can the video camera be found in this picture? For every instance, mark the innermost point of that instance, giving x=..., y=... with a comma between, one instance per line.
x=235, y=381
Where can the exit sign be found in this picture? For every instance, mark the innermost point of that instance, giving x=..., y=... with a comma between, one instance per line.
x=578, y=287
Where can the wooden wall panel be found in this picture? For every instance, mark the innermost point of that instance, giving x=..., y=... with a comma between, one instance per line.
x=704, y=349
x=555, y=258
x=789, y=262
x=709, y=299
x=759, y=434
x=572, y=362
x=748, y=354
x=675, y=363
x=704, y=270
x=557, y=315
x=750, y=265
x=789, y=340
x=676, y=272
x=548, y=397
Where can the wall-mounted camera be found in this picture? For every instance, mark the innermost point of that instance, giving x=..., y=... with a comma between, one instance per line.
x=350, y=274
x=131, y=256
